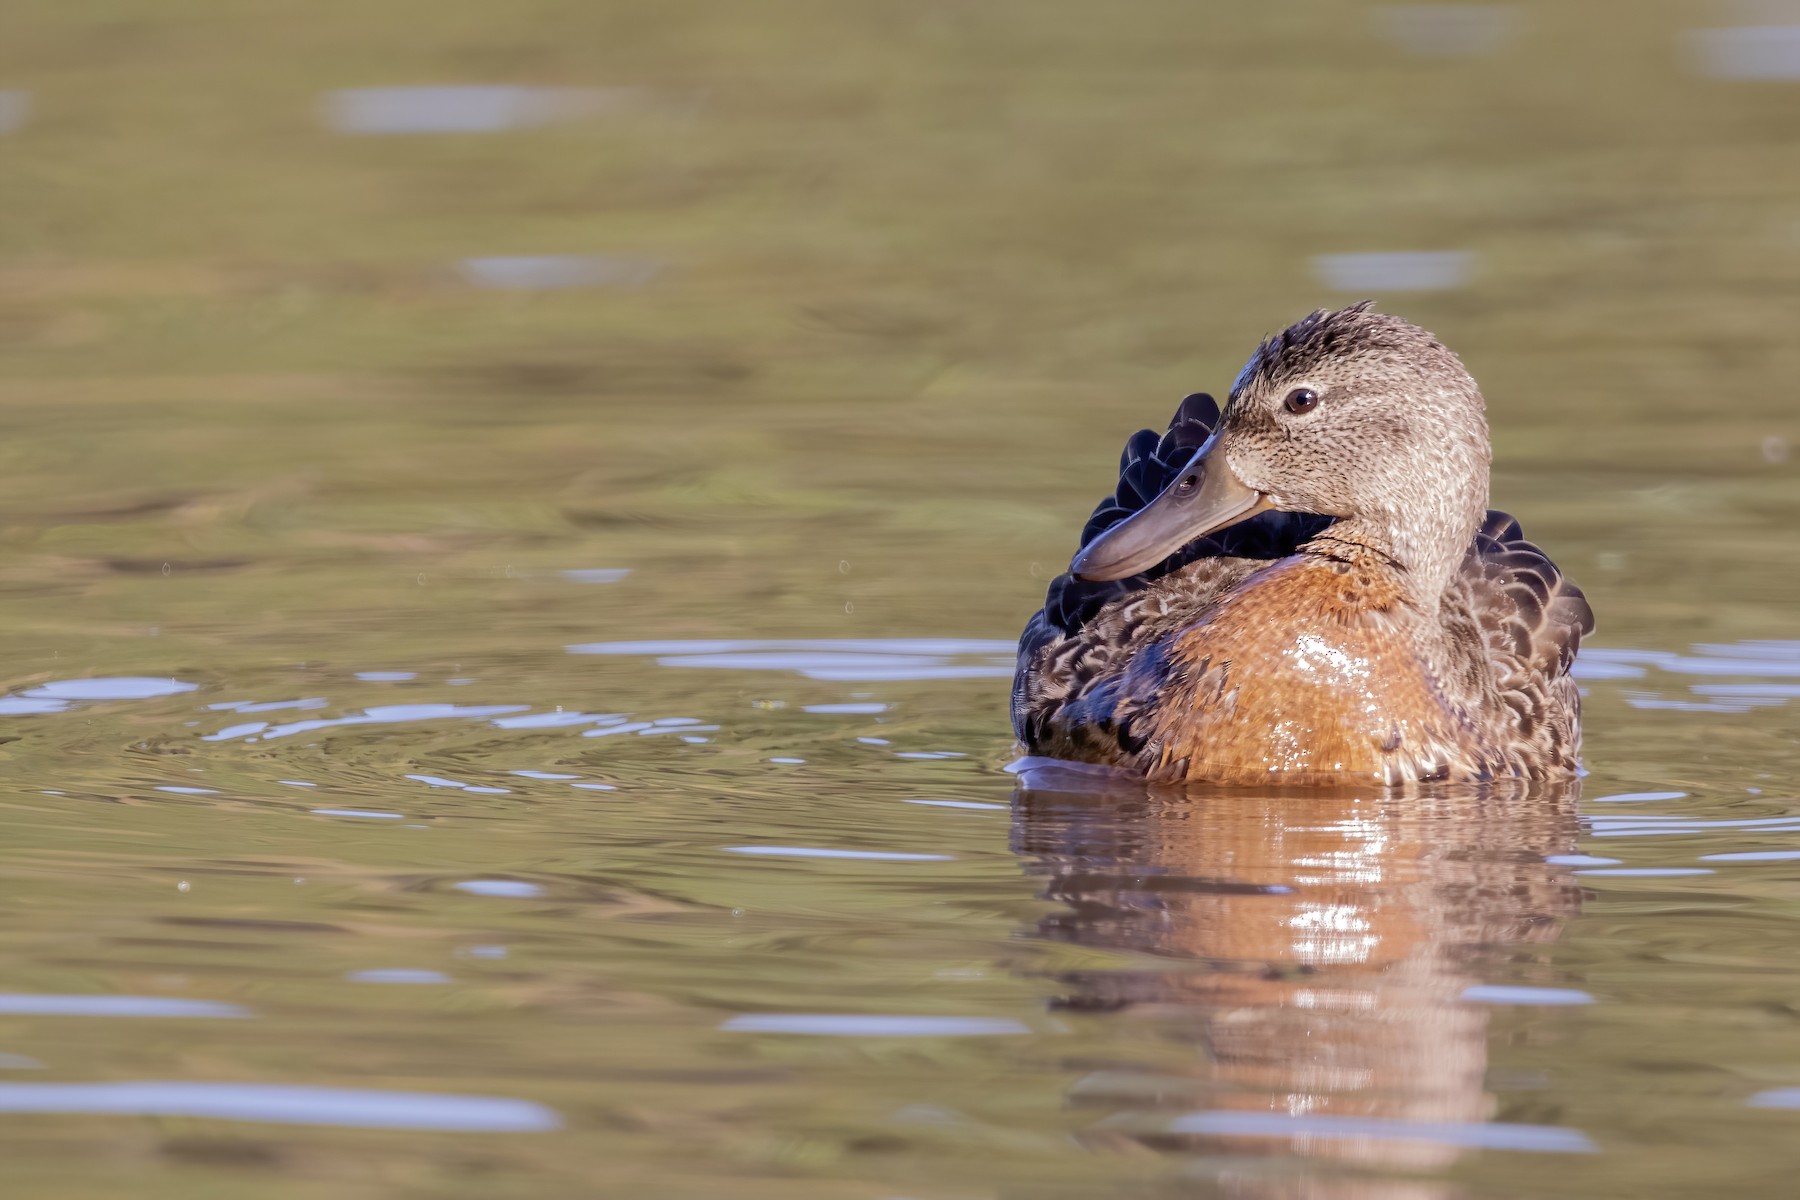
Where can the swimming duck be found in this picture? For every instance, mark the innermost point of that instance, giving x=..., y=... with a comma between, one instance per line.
x=1309, y=588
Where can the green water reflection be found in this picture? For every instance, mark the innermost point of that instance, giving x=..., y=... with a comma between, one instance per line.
x=821, y=324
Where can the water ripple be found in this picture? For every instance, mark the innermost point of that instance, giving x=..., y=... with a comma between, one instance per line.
x=59, y=694
x=283, y=1104
x=1474, y=1134
x=1487, y=993
x=552, y=272
x=833, y=660
x=43, y=1004
x=859, y=1025
x=822, y=852
x=15, y=108
x=397, y=975
x=499, y=887
x=469, y=108
x=1401, y=271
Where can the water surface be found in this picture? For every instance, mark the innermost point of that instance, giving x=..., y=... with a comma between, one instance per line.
x=515, y=520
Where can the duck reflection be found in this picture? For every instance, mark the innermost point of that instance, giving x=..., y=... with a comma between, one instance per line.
x=1304, y=952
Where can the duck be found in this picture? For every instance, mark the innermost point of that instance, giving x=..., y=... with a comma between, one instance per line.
x=1308, y=587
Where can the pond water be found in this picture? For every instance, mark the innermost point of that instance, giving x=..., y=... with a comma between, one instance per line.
x=515, y=520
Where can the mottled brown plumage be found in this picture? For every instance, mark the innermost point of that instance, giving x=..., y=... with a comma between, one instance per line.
x=1351, y=611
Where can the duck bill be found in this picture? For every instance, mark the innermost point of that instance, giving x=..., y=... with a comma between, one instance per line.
x=1205, y=497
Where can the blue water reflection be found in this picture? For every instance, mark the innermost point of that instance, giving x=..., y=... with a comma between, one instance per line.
x=283, y=1104
x=512, y=888
x=1447, y=30
x=830, y=852
x=43, y=1004
x=1492, y=993
x=469, y=108
x=15, y=109
x=838, y=659
x=872, y=1025
x=1544, y=1139
x=403, y=975
x=551, y=272
x=1748, y=53
x=58, y=695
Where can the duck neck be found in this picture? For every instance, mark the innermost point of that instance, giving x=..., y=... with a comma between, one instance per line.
x=1420, y=510
x=1420, y=546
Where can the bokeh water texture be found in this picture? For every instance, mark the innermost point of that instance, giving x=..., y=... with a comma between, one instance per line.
x=515, y=518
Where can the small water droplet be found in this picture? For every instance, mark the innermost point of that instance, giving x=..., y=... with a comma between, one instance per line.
x=182, y=886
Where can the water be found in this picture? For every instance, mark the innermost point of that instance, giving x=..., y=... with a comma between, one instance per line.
x=514, y=521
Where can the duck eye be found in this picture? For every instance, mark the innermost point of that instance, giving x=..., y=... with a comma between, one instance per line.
x=1187, y=483
x=1301, y=400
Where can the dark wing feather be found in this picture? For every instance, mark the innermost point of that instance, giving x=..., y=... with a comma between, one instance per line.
x=1532, y=619
x=1524, y=599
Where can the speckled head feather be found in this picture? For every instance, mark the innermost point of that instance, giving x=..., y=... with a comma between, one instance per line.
x=1339, y=335
x=1395, y=445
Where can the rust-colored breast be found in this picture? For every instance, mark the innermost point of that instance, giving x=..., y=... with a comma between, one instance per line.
x=1306, y=673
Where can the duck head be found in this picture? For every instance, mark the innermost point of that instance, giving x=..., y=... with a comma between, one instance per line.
x=1351, y=414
